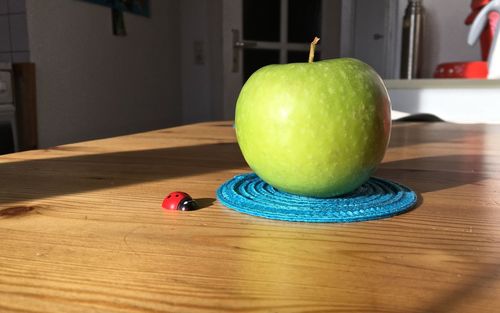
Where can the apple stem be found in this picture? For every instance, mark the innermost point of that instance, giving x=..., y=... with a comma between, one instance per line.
x=312, y=48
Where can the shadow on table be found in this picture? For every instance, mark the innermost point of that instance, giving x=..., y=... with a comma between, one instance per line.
x=42, y=178
x=204, y=202
x=38, y=179
x=474, y=284
x=428, y=174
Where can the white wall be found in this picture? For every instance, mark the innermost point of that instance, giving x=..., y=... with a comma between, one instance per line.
x=201, y=47
x=92, y=84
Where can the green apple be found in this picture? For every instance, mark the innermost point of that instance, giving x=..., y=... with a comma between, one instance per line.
x=316, y=129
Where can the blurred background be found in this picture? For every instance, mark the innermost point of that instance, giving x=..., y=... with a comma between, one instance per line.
x=74, y=70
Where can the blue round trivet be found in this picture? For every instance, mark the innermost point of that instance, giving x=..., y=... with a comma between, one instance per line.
x=377, y=198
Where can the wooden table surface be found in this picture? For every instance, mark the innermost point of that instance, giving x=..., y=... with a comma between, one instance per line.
x=82, y=230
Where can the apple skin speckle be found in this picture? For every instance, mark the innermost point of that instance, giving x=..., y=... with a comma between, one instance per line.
x=315, y=129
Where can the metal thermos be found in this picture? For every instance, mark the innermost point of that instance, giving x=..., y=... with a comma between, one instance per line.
x=411, y=50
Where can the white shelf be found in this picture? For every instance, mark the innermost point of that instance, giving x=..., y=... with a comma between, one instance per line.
x=442, y=83
x=453, y=100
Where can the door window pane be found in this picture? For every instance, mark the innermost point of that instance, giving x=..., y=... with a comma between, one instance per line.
x=254, y=59
x=301, y=56
x=261, y=20
x=304, y=20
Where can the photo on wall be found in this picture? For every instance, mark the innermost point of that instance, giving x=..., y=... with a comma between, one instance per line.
x=140, y=7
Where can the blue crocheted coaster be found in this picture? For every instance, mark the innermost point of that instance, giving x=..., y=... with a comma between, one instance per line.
x=377, y=198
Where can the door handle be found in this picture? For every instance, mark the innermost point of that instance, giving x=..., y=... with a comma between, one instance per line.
x=239, y=45
x=244, y=44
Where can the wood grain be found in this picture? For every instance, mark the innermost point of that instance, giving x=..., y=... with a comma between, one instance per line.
x=82, y=230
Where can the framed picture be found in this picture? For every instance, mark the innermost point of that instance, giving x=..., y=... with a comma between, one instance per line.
x=140, y=7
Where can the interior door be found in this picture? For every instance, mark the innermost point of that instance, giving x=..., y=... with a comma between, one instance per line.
x=369, y=27
x=370, y=33
x=261, y=32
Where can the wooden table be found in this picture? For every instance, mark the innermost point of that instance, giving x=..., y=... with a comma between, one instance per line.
x=82, y=230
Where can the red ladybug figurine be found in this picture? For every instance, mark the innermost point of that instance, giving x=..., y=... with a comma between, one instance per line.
x=179, y=200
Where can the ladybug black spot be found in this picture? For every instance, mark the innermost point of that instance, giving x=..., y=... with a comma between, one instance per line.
x=176, y=196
